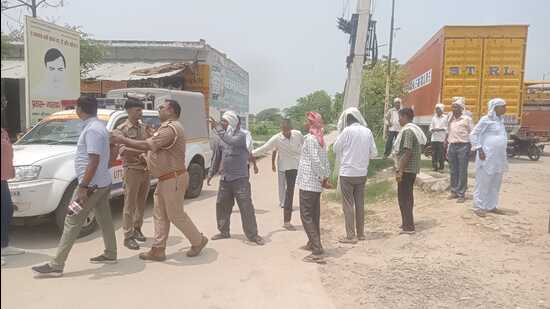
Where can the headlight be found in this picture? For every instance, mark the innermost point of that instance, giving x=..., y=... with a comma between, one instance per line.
x=26, y=172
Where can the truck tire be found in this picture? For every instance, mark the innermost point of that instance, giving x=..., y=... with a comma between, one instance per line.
x=90, y=224
x=196, y=180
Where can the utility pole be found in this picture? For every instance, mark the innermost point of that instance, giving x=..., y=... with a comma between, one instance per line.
x=352, y=90
x=388, y=74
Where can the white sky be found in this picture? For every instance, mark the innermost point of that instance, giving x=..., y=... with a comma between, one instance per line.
x=292, y=47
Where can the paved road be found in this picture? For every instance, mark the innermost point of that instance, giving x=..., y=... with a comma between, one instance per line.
x=229, y=273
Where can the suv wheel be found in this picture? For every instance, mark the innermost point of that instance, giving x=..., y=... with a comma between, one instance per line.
x=90, y=224
x=196, y=180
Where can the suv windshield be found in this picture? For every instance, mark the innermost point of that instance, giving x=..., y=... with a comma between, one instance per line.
x=55, y=131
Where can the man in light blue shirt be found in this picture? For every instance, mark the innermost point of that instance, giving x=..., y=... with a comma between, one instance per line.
x=93, y=190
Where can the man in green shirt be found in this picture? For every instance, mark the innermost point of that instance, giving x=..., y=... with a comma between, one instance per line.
x=407, y=150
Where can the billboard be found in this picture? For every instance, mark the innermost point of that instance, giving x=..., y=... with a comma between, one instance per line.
x=52, y=58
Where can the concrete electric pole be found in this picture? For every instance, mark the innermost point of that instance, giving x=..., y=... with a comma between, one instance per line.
x=352, y=90
x=388, y=74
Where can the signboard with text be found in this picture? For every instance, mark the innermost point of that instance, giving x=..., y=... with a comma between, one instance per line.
x=52, y=57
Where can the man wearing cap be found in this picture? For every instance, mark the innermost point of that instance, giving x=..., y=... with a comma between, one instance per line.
x=392, y=122
x=136, y=175
x=458, y=137
x=166, y=161
x=232, y=165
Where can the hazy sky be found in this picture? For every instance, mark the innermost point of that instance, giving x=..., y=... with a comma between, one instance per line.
x=292, y=47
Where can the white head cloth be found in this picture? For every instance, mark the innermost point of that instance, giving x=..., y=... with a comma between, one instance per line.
x=342, y=121
x=460, y=101
x=231, y=118
x=492, y=104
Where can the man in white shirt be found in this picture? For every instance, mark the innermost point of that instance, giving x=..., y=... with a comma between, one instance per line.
x=354, y=148
x=438, y=129
x=392, y=122
x=288, y=144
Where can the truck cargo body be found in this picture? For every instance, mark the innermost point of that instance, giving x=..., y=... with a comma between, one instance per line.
x=535, y=119
x=475, y=62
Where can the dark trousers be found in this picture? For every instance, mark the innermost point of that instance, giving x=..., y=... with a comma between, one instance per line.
x=230, y=191
x=310, y=213
x=290, y=176
x=405, y=196
x=458, y=155
x=389, y=142
x=438, y=155
x=353, y=193
x=7, y=212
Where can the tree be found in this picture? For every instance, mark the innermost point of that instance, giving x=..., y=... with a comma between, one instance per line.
x=270, y=114
x=31, y=5
x=318, y=101
x=91, y=51
x=337, y=104
x=373, y=91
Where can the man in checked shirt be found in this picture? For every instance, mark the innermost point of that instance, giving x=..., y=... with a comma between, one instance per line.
x=313, y=173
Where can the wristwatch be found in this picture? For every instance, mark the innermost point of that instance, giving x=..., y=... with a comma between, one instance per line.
x=83, y=185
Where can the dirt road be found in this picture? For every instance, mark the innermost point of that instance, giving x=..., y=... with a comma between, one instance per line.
x=230, y=273
x=456, y=259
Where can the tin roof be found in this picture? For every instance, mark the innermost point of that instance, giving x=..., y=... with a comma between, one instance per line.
x=115, y=71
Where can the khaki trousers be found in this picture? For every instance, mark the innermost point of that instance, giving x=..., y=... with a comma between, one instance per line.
x=136, y=190
x=98, y=202
x=169, y=196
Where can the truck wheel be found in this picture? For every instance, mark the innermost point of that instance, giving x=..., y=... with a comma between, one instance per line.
x=196, y=180
x=90, y=224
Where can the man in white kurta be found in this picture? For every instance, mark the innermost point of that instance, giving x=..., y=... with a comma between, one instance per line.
x=288, y=144
x=489, y=140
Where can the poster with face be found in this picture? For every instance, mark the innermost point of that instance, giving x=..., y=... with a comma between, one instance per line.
x=52, y=56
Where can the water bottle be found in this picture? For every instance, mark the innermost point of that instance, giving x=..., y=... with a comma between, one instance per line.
x=76, y=206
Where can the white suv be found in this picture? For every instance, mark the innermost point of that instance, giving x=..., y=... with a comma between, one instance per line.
x=45, y=178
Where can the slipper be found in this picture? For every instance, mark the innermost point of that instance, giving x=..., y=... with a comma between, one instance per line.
x=314, y=259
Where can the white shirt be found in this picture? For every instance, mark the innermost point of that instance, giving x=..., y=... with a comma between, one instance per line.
x=288, y=149
x=314, y=165
x=439, y=123
x=392, y=120
x=94, y=139
x=354, y=147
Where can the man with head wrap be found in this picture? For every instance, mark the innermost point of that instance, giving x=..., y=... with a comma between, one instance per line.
x=232, y=165
x=354, y=147
x=489, y=140
x=438, y=129
x=392, y=122
x=459, y=129
x=313, y=173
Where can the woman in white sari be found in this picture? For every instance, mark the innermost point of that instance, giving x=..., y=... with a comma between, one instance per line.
x=489, y=140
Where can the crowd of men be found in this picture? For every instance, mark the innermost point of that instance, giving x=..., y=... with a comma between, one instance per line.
x=299, y=160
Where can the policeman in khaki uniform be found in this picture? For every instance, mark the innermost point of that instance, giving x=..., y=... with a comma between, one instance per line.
x=136, y=175
x=166, y=161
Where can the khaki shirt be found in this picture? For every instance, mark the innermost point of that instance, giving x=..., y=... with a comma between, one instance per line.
x=167, y=149
x=132, y=157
